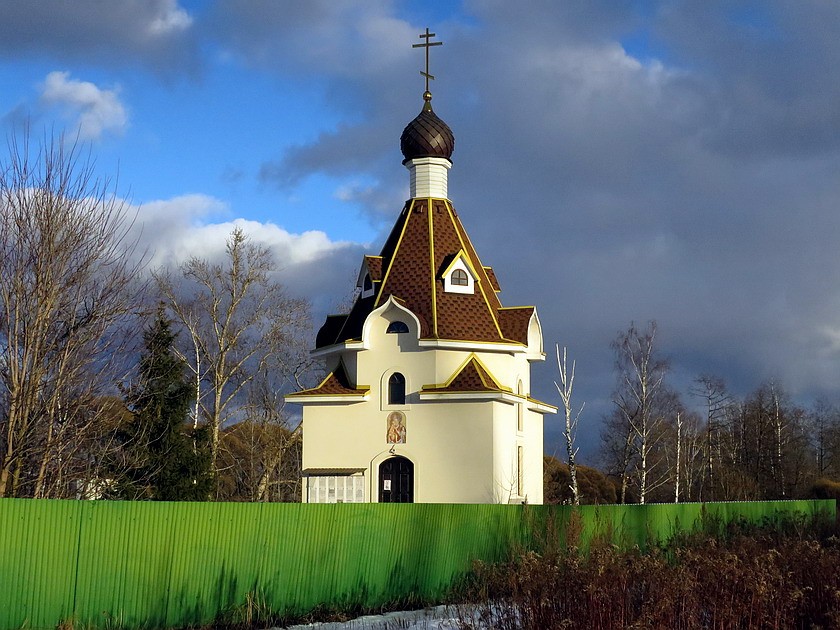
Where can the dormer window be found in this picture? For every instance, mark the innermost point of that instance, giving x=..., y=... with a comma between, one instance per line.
x=369, y=275
x=460, y=278
x=397, y=327
x=367, y=286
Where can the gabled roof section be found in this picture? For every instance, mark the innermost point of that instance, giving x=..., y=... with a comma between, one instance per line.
x=514, y=321
x=426, y=238
x=474, y=381
x=374, y=267
x=449, y=261
x=336, y=383
x=491, y=275
x=472, y=376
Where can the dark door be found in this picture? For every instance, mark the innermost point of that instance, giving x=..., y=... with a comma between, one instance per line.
x=396, y=481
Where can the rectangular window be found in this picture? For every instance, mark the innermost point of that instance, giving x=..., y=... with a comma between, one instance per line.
x=335, y=488
x=520, y=486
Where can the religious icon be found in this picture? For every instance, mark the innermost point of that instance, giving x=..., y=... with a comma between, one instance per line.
x=396, y=428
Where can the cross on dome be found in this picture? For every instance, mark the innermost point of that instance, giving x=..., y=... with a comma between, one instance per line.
x=427, y=136
x=427, y=44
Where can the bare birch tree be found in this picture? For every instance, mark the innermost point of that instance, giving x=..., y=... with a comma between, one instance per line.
x=716, y=399
x=565, y=388
x=640, y=376
x=67, y=274
x=240, y=325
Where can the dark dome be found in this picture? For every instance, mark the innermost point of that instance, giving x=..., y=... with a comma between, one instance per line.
x=427, y=136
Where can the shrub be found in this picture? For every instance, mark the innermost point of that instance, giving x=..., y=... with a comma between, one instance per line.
x=595, y=487
x=825, y=489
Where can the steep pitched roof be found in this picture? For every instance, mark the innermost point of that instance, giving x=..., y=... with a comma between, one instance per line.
x=426, y=236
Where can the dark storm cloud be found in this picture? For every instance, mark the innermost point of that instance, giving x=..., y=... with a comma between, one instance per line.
x=152, y=33
x=329, y=154
x=345, y=39
x=699, y=189
x=614, y=161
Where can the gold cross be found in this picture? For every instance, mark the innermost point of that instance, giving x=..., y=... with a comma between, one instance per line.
x=427, y=44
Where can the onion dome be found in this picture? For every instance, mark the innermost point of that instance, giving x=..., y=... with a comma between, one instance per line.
x=427, y=135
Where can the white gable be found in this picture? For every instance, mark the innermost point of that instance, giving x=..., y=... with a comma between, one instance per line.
x=459, y=276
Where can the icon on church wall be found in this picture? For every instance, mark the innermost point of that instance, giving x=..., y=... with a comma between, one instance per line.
x=396, y=428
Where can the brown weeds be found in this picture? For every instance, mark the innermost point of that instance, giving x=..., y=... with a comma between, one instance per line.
x=777, y=575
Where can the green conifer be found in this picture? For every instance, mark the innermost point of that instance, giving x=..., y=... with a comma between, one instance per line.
x=170, y=461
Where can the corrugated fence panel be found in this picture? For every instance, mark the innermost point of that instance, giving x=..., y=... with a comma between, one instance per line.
x=138, y=564
x=221, y=543
x=39, y=543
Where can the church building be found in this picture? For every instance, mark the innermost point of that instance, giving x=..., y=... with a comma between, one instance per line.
x=427, y=394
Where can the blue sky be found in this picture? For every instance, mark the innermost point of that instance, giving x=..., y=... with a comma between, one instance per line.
x=674, y=160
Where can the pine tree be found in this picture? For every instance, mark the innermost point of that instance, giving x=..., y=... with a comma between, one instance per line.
x=169, y=460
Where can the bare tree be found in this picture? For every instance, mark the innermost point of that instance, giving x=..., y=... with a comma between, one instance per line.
x=565, y=388
x=771, y=450
x=67, y=270
x=692, y=462
x=824, y=421
x=716, y=398
x=617, y=451
x=240, y=325
x=640, y=376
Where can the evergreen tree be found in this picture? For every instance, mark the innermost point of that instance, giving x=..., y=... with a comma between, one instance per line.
x=169, y=460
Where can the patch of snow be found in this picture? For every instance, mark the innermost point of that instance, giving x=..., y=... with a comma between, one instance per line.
x=437, y=618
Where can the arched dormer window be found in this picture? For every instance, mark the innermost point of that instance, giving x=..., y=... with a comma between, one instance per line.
x=396, y=389
x=460, y=278
x=397, y=327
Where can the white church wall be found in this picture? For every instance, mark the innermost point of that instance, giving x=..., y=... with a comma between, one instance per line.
x=462, y=452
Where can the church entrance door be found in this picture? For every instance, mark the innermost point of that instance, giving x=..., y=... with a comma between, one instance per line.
x=396, y=481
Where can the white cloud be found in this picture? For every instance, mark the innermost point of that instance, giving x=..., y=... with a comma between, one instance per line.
x=94, y=111
x=309, y=264
x=288, y=248
x=171, y=19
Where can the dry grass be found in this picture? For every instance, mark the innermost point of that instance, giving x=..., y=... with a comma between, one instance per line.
x=780, y=575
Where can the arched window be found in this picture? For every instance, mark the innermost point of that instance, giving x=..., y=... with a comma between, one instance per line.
x=459, y=278
x=397, y=327
x=396, y=389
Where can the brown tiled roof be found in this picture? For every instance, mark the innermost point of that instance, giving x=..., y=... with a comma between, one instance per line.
x=514, y=322
x=491, y=275
x=418, y=248
x=374, y=266
x=336, y=383
x=471, y=377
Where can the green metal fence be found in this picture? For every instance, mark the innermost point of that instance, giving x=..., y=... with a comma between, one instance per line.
x=151, y=565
